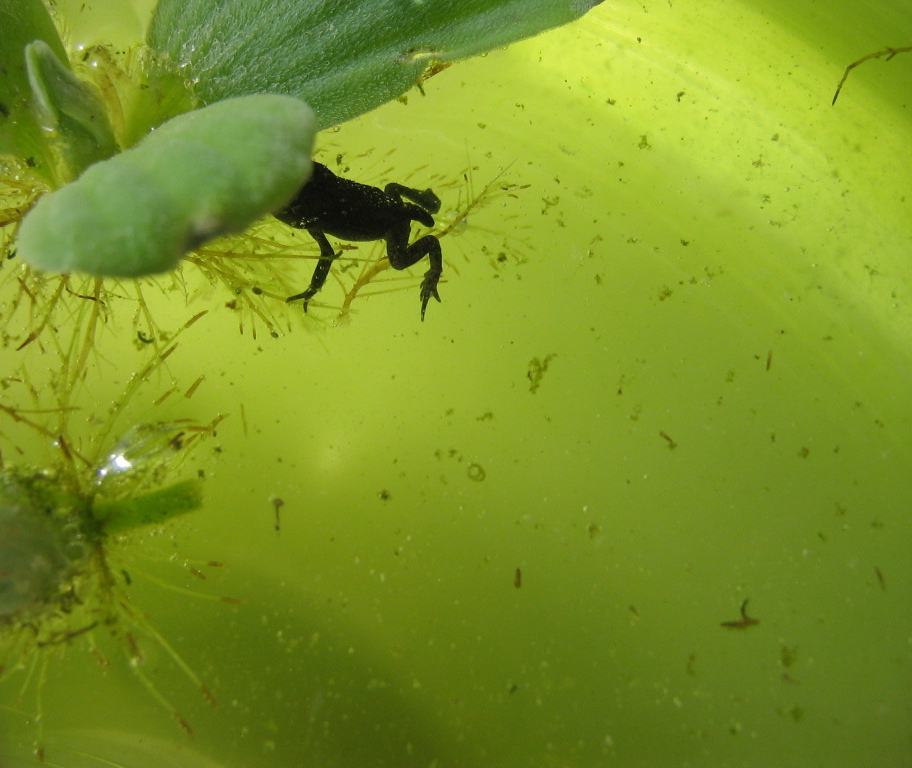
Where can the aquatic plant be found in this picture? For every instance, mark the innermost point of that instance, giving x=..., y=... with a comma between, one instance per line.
x=60, y=528
x=118, y=164
x=140, y=210
x=82, y=481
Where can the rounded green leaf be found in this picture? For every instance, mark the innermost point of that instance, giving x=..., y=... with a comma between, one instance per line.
x=200, y=175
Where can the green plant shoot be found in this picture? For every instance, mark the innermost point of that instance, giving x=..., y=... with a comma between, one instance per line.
x=152, y=508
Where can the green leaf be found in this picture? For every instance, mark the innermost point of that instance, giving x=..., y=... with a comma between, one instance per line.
x=152, y=508
x=343, y=57
x=202, y=174
x=22, y=22
x=69, y=109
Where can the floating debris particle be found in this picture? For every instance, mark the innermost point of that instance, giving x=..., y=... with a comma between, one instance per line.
x=744, y=622
x=880, y=578
x=787, y=655
x=537, y=369
x=889, y=53
x=277, y=505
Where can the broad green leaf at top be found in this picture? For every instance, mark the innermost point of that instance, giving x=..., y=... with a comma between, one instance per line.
x=343, y=57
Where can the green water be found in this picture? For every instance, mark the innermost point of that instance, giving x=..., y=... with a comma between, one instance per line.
x=717, y=263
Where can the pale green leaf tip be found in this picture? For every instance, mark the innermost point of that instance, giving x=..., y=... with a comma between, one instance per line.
x=69, y=109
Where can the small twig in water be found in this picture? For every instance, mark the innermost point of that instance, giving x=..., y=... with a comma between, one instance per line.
x=888, y=52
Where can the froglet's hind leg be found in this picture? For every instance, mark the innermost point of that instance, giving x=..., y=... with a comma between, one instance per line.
x=402, y=256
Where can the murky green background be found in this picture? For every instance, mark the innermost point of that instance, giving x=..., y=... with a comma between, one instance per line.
x=719, y=263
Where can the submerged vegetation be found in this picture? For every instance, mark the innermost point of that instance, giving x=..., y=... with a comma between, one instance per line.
x=145, y=154
x=80, y=482
x=91, y=455
x=95, y=452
